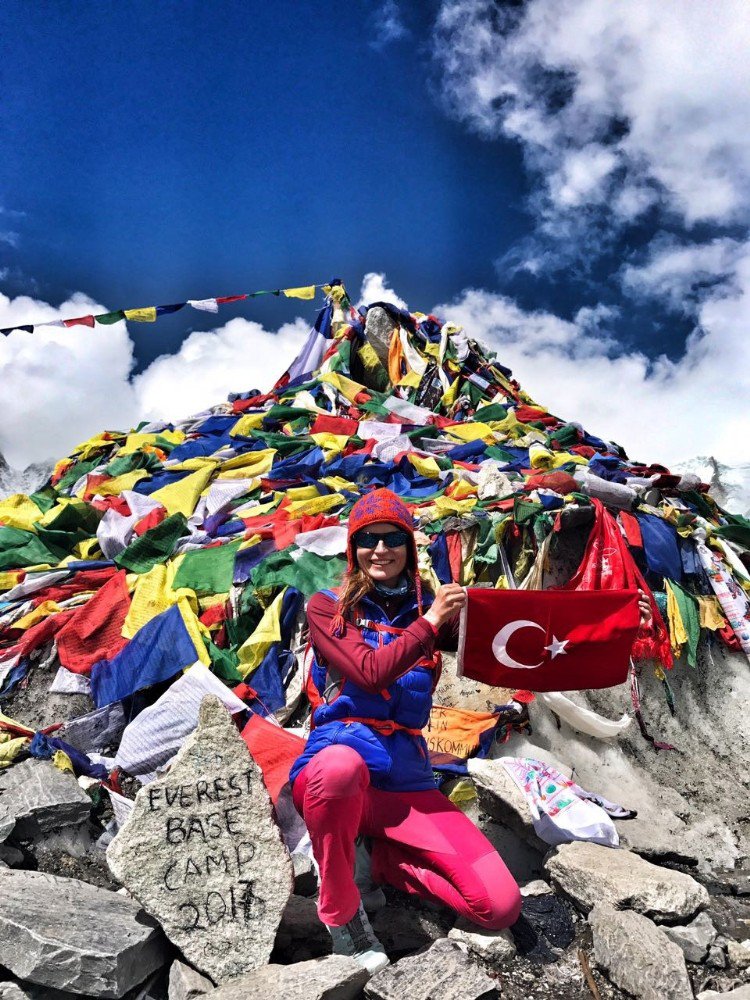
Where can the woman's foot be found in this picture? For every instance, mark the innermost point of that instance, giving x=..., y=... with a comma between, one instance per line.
x=357, y=940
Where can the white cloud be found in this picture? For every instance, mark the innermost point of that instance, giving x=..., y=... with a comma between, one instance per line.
x=60, y=386
x=615, y=104
x=235, y=358
x=375, y=289
x=659, y=411
x=388, y=25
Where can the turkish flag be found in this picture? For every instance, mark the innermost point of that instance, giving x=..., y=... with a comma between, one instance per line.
x=548, y=640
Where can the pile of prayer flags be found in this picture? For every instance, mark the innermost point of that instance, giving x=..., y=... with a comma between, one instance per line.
x=172, y=559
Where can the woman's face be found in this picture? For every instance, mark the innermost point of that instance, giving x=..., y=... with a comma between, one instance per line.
x=384, y=565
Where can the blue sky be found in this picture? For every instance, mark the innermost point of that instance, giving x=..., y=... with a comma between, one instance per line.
x=174, y=150
x=555, y=173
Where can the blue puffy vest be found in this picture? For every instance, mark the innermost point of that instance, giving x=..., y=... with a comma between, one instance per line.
x=391, y=743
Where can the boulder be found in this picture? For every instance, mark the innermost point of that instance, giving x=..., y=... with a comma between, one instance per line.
x=492, y=946
x=12, y=991
x=738, y=953
x=68, y=935
x=187, y=984
x=301, y=935
x=694, y=938
x=589, y=874
x=405, y=929
x=443, y=972
x=38, y=797
x=379, y=327
x=202, y=853
x=501, y=798
x=637, y=955
x=333, y=978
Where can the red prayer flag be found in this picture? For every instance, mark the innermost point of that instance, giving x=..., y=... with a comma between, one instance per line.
x=94, y=631
x=274, y=750
x=80, y=321
x=545, y=640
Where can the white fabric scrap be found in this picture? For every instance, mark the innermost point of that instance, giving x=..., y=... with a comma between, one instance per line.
x=387, y=450
x=34, y=582
x=584, y=720
x=323, y=541
x=414, y=414
x=158, y=732
x=121, y=807
x=377, y=430
x=205, y=305
x=68, y=682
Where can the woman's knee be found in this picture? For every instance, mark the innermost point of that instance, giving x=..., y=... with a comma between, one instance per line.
x=499, y=904
x=337, y=772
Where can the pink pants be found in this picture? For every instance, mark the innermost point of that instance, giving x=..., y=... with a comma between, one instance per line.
x=422, y=844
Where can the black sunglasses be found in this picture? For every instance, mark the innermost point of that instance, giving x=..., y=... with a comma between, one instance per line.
x=370, y=539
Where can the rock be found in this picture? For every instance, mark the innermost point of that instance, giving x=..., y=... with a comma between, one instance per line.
x=187, y=984
x=68, y=935
x=11, y=856
x=40, y=798
x=12, y=991
x=443, y=972
x=589, y=874
x=695, y=938
x=717, y=957
x=202, y=853
x=301, y=935
x=305, y=878
x=501, y=798
x=544, y=928
x=536, y=888
x=741, y=993
x=493, y=946
x=405, y=929
x=638, y=956
x=738, y=953
x=333, y=978
x=379, y=326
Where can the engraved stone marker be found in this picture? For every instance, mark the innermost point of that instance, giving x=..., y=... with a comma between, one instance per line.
x=202, y=853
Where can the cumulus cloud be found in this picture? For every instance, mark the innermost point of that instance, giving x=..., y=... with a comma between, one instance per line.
x=60, y=386
x=235, y=358
x=616, y=105
x=624, y=112
x=376, y=289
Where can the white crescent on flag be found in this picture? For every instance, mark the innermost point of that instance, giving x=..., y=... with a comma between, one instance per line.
x=500, y=642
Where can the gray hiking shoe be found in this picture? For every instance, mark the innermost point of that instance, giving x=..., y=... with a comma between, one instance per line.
x=357, y=940
x=373, y=897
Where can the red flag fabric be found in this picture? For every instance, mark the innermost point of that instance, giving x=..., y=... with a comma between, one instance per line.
x=608, y=565
x=94, y=631
x=545, y=640
x=274, y=750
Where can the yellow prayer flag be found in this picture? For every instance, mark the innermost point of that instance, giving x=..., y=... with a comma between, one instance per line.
x=425, y=466
x=62, y=762
x=249, y=422
x=10, y=577
x=37, y=614
x=136, y=440
x=346, y=386
x=145, y=315
x=195, y=629
x=318, y=505
x=307, y=292
x=115, y=486
x=152, y=595
x=332, y=444
x=474, y=431
x=255, y=647
x=411, y=379
x=17, y=511
x=182, y=496
x=10, y=749
x=710, y=613
x=251, y=464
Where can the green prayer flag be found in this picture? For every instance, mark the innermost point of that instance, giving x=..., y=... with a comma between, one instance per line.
x=155, y=546
x=224, y=663
x=308, y=572
x=110, y=317
x=690, y=619
x=207, y=571
x=19, y=548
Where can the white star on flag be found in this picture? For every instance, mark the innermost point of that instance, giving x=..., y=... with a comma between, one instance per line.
x=557, y=646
